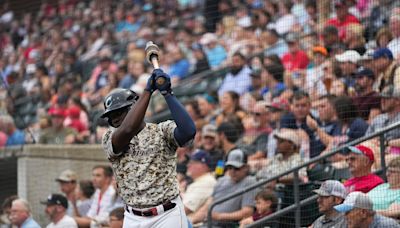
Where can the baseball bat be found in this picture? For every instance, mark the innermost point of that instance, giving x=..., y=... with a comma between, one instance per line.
x=152, y=56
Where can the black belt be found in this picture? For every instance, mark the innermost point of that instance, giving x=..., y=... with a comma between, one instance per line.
x=152, y=211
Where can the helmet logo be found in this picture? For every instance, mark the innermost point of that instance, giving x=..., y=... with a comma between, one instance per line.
x=108, y=102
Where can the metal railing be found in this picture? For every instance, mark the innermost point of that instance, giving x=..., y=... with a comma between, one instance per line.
x=296, y=206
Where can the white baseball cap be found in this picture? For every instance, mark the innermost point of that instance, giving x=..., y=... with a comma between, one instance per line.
x=332, y=188
x=355, y=200
x=290, y=135
x=348, y=56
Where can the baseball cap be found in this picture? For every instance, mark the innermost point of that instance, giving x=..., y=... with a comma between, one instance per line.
x=236, y=158
x=339, y=3
x=209, y=130
x=56, y=199
x=355, y=200
x=279, y=104
x=208, y=38
x=321, y=50
x=348, y=56
x=201, y=156
x=390, y=92
x=67, y=176
x=332, y=188
x=56, y=112
x=383, y=52
x=289, y=135
x=363, y=150
x=363, y=71
x=292, y=37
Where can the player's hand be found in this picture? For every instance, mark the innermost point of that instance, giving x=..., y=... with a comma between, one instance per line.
x=162, y=82
x=151, y=84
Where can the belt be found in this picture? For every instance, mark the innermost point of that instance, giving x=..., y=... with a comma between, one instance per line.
x=152, y=211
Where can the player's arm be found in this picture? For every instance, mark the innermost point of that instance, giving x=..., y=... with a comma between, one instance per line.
x=133, y=121
x=185, y=130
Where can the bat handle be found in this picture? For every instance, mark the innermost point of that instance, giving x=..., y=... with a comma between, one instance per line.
x=154, y=61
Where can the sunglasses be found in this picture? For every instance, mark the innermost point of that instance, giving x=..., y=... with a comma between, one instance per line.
x=233, y=168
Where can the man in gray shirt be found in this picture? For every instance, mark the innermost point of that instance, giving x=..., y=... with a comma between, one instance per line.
x=330, y=194
x=359, y=213
x=236, y=178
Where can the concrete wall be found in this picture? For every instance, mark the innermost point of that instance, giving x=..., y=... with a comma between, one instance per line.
x=39, y=165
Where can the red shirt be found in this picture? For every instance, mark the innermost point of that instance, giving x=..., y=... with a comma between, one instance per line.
x=298, y=60
x=363, y=184
x=341, y=25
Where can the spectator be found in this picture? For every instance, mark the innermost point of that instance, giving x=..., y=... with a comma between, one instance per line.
x=296, y=59
x=203, y=183
x=57, y=133
x=56, y=209
x=208, y=107
x=354, y=39
x=359, y=212
x=230, y=106
x=389, y=71
x=256, y=136
x=272, y=81
x=232, y=211
x=286, y=20
x=15, y=136
x=136, y=70
x=179, y=68
x=201, y=62
x=394, y=43
x=317, y=81
x=102, y=198
x=330, y=194
x=390, y=98
x=343, y=18
x=360, y=161
x=67, y=181
x=21, y=216
x=215, y=53
x=84, y=193
x=266, y=204
x=330, y=37
x=366, y=100
x=6, y=211
x=275, y=45
x=348, y=64
x=296, y=119
x=383, y=37
x=209, y=143
x=116, y=218
x=228, y=134
x=327, y=124
x=238, y=79
x=352, y=126
x=386, y=197
x=287, y=157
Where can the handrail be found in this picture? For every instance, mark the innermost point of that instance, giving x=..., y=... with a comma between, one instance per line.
x=305, y=164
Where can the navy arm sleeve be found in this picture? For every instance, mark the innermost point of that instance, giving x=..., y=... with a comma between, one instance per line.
x=186, y=129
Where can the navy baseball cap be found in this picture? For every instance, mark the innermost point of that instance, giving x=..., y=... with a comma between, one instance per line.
x=201, y=156
x=383, y=52
x=364, y=72
x=56, y=199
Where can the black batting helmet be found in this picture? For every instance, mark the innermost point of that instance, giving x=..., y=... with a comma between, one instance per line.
x=118, y=99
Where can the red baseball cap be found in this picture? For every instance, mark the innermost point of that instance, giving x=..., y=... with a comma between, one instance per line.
x=57, y=112
x=360, y=149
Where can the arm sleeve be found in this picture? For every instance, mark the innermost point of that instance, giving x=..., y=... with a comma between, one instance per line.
x=185, y=130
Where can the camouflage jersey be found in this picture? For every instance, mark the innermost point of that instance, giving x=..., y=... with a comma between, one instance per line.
x=146, y=171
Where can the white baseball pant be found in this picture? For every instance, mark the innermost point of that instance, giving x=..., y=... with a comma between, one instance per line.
x=174, y=218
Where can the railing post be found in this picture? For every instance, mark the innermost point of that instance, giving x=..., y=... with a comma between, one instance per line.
x=382, y=154
x=297, y=197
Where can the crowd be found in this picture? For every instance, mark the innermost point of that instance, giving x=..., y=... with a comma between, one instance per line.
x=303, y=77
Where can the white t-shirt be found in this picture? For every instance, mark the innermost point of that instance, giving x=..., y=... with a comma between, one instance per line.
x=65, y=222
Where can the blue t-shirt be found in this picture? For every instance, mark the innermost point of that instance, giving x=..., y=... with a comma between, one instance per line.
x=215, y=56
x=382, y=197
x=180, y=69
x=17, y=138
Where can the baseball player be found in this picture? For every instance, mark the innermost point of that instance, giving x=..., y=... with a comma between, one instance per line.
x=143, y=155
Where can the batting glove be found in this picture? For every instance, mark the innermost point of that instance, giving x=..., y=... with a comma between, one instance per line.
x=162, y=82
